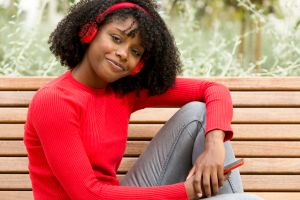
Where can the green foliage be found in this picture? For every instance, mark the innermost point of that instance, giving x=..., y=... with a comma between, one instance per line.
x=23, y=50
x=215, y=38
x=240, y=40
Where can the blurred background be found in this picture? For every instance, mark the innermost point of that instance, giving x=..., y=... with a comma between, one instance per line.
x=215, y=37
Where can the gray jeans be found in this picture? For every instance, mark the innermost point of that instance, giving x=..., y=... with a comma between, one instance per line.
x=174, y=149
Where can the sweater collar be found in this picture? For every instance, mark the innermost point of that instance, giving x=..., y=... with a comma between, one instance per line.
x=80, y=85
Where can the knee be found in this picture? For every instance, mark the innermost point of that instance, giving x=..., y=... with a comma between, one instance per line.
x=195, y=105
x=195, y=109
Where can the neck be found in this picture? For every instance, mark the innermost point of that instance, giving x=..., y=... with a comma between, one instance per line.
x=85, y=75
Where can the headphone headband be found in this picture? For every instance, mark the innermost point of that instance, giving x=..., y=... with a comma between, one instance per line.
x=118, y=6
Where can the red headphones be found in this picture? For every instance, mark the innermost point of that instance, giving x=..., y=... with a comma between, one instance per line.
x=88, y=31
x=137, y=68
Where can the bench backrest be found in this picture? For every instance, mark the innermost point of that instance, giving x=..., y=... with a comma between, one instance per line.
x=266, y=124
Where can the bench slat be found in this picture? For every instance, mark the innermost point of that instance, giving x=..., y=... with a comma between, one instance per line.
x=147, y=131
x=241, y=115
x=252, y=165
x=13, y=195
x=27, y=195
x=266, y=99
x=240, y=99
x=15, y=98
x=278, y=195
x=135, y=148
x=23, y=83
x=275, y=183
x=234, y=83
x=259, y=83
x=15, y=182
x=280, y=183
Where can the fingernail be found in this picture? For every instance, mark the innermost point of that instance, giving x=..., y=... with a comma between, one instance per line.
x=199, y=195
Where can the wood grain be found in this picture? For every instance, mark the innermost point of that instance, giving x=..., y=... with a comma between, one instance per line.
x=251, y=166
x=273, y=132
x=240, y=99
x=27, y=195
x=234, y=83
x=266, y=123
x=149, y=115
x=287, y=149
x=252, y=183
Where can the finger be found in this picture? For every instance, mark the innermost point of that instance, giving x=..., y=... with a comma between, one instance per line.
x=221, y=176
x=197, y=183
x=214, y=182
x=206, y=183
x=191, y=173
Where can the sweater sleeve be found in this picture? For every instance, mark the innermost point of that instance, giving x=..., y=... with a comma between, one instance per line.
x=217, y=98
x=55, y=117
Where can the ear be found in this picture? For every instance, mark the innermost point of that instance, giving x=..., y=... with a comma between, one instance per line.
x=90, y=33
x=138, y=68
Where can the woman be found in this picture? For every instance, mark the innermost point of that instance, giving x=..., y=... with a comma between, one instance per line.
x=122, y=58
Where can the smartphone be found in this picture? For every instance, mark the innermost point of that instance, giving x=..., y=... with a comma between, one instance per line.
x=233, y=165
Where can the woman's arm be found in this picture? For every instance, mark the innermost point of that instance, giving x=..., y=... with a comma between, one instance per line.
x=216, y=97
x=207, y=172
x=55, y=118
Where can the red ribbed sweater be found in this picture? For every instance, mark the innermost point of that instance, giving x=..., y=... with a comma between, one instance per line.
x=76, y=136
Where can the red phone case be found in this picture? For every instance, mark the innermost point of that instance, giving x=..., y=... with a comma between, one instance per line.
x=233, y=165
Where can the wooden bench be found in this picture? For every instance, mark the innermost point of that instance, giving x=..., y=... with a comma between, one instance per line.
x=266, y=124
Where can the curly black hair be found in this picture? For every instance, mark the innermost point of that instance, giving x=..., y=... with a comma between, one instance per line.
x=162, y=63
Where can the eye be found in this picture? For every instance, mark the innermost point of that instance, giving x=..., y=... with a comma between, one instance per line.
x=116, y=39
x=136, y=52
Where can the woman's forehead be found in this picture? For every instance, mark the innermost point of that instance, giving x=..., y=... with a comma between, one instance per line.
x=127, y=25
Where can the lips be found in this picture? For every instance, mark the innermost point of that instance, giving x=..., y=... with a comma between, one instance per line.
x=116, y=65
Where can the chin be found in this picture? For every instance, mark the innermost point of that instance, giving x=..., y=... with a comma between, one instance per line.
x=112, y=79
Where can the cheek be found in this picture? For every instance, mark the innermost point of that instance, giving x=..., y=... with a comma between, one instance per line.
x=134, y=62
x=106, y=47
x=103, y=46
x=99, y=52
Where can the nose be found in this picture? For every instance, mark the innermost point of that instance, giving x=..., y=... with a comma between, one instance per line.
x=122, y=53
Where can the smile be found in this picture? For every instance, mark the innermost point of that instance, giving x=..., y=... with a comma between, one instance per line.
x=116, y=66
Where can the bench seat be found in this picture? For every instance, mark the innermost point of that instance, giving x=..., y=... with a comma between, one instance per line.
x=266, y=123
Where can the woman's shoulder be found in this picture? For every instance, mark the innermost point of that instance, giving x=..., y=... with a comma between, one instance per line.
x=47, y=95
x=57, y=90
x=57, y=86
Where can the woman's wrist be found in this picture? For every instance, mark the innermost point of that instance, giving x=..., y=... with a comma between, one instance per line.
x=214, y=137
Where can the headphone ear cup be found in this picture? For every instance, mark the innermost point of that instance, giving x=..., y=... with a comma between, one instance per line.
x=138, y=68
x=88, y=32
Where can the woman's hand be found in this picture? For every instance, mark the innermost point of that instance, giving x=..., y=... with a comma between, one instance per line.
x=207, y=174
x=189, y=187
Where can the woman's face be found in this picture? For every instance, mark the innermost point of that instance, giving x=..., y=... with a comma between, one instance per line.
x=112, y=54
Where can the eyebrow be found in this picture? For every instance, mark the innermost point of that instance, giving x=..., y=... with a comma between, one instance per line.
x=130, y=31
x=130, y=34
